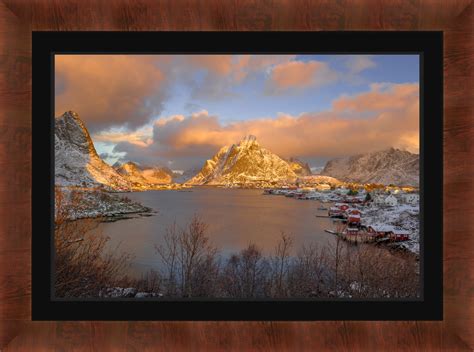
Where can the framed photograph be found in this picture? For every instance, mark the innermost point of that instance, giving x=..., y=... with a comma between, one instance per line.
x=237, y=176
x=161, y=87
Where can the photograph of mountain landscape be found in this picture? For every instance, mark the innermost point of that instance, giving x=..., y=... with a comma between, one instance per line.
x=237, y=177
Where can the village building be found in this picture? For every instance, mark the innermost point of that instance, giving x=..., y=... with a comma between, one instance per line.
x=411, y=198
x=391, y=200
x=398, y=235
x=379, y=199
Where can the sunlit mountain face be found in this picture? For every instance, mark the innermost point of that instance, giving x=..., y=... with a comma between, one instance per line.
x=244, y=163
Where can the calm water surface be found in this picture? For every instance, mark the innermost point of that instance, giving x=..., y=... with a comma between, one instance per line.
x=236, y=218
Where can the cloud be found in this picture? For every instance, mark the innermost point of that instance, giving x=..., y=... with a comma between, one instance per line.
x=224, y=72
x=382, y=96
x=140, y=137
x=358, y=63
x=299, y=75
x=108, y=90
x=385, y=116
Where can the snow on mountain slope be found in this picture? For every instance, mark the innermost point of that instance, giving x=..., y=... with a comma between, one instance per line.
x=390, y=166
x=244, y=163
x=76, y=160
x=144, y=175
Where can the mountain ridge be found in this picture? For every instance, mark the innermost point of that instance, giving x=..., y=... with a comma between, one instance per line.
x=388, y=166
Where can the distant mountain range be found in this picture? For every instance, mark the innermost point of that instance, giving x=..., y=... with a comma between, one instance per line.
x=390, y=166
x=145, y=175
x=244, y=163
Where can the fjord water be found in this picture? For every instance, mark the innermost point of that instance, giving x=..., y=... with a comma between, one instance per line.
x=236, y=218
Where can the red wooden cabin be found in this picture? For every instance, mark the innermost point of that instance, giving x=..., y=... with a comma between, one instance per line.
x=354, y=217
x=398, y=235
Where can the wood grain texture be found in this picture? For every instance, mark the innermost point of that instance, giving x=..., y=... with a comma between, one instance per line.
x=18, y=18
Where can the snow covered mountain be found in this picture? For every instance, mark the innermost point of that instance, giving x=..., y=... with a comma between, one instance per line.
x=390, y=166
x=144, y=175
x=76, y=160
x=299, y=167
x=245, y=163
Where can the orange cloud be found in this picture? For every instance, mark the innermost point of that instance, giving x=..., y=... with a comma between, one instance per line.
x=109, y=89
x=299, y=74
x=370, y=126
x=219, y=64
x=383, y=96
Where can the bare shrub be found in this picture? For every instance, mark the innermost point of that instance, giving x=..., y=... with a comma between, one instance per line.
x=82, y=266
x=245, y=275
x=190, y=260
x=150, y=282
x=367, y=272
x=383, y=275
x=306, y=278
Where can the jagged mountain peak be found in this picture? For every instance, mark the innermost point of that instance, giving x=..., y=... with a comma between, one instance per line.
x=248, y=140
x=243, y=163
x=76, y=160
x=70, y=127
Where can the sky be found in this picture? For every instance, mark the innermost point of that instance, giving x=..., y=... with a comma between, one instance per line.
x=179, y=110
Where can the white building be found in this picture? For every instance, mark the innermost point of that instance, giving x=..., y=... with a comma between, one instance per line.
x=411, y=198
x=391, y=201
x=379, y=199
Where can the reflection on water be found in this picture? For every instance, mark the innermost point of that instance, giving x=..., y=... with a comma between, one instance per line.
x=236, y=218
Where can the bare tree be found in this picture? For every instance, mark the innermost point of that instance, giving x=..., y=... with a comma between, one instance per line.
x=281, y=261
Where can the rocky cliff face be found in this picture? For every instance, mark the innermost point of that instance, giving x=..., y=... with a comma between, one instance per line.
x=244, y=163
x=390, y=166
x=76, y=160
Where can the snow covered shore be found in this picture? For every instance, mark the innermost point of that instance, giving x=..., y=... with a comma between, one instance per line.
x=83, y=203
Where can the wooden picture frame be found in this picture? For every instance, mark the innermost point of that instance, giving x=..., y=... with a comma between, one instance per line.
x=19, y=19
